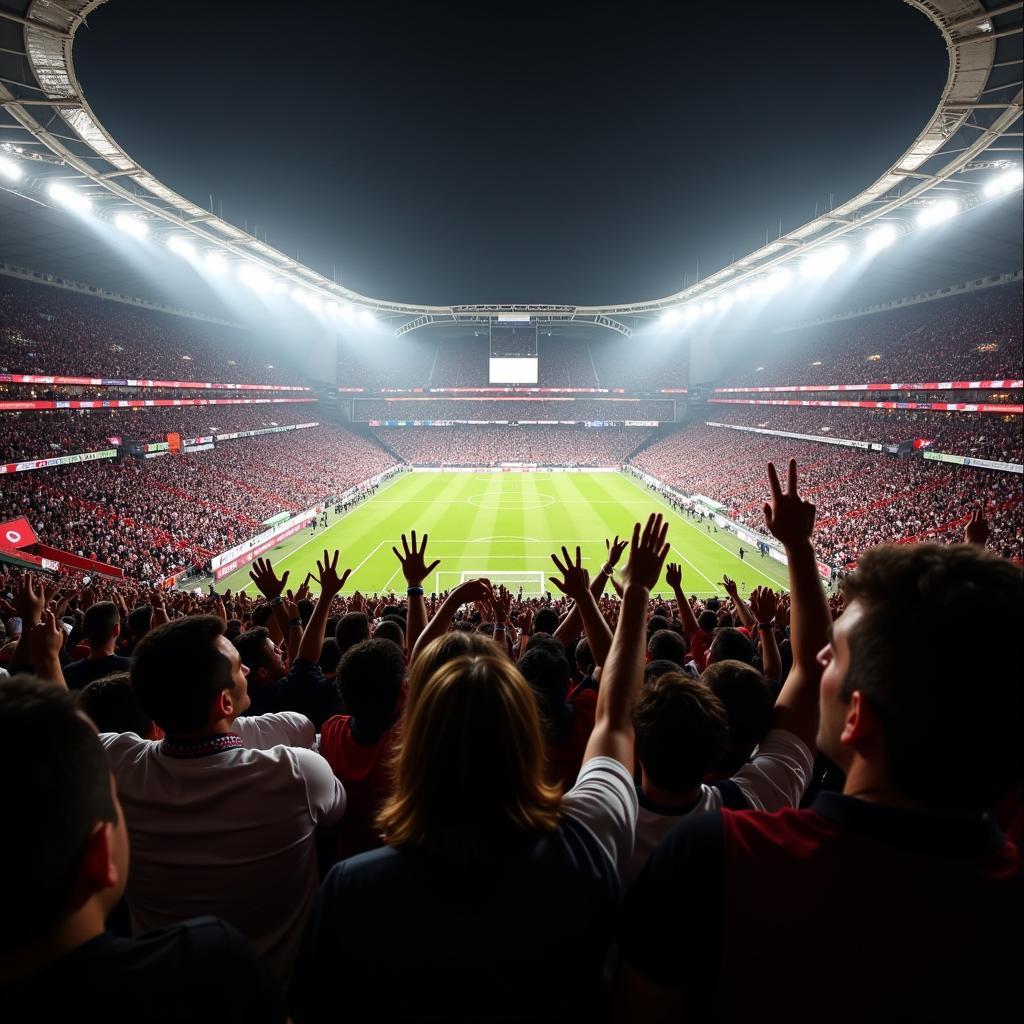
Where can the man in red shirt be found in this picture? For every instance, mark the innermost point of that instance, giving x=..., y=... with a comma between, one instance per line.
x=900, y=894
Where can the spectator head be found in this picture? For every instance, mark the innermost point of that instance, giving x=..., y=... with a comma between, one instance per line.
x=545, y=640
x=731, y=645
x=893, y=708
x=546, y=620
x=747, y=698
x=260, y=656
x=389, y=630
x=352, y=628
x=233, y=628
x=667, y=645
x=58, y=787
x=189, y=677
x=707, y=620
x=102, y=623
x=656, y=623
x=262, y=614
x=657, y=668
x=369, y=679
x=329, y=656
x=306, y=607
x=139, y=620
x=474, y=710
x=549, y=675
x=112, y=705
x=456, y=644
x=584, y=657
x=681, y=728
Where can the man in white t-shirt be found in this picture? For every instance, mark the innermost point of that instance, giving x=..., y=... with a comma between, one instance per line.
x=222, y=811
x=682, y=729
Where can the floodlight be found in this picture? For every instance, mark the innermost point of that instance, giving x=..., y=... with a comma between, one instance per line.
x=215, y=263
x=1005, y=182
x=824, y=262
x=9, y=169
x=181, y=247
x=366, y=317
x=708, y=308
x=670, y=317
x=131, y=225
x=313, y=302
x=70, y=198
x=332, y=308
x=692, y=313
x=253, y=276
x=298, y=294
x=742, y=293
x=777, y=281
x=725, y=301
x=937, y=213
x=882, y=237
x=278, y=287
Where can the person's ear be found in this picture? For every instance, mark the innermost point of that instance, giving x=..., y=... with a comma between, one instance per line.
x=224, y=706
x=862, y=726
x=99, y=868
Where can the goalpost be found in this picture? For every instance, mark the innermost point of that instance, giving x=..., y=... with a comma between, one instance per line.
x=533, y=584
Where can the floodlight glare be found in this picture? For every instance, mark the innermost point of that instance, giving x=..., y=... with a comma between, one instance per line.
x=313, y=302
x=824, y=262
x=777, y=281
x=70, y=198
x=366, y=317
x=298, y=294
x=725, y=301
x=332, y=308
x=882, y=237
x=937, y=213
x=347, y=312
x=670, y=317
x=708, y=308
x=216, y=263
x=181, y=247
x=1005, y=182
x=131, y=225
x=253, y=276
x=743, y=292
x=9, y=169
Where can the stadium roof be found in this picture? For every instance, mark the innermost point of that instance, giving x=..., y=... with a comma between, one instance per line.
x=973, y=135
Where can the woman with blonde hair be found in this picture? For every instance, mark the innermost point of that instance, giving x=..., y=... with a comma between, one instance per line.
x=494, y=897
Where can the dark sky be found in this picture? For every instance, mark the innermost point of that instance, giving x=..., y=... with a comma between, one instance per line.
x=501, y=152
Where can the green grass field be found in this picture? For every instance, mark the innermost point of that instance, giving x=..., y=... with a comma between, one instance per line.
x=505, y=525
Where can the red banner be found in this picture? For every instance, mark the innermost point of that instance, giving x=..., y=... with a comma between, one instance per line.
x=121, y=382
x=142, y=403
x=66, y=558
x=1006, y=410
x=947, y=385
x=17, y=533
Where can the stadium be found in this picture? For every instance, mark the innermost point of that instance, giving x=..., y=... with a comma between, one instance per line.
x=674, y=573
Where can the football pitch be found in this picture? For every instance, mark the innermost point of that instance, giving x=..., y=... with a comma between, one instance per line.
x=505, y=526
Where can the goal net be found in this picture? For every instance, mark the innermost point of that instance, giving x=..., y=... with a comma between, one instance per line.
x=532, y=584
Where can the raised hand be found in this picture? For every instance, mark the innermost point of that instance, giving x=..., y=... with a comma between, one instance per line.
x=674, y=575
x=414, y=566
x=263, y=575
x=764, y=603
x=525, y=620
x=615, y=548
x=575, y=581
x=329, y=580
x=977, y=530
x=471, y=591
x=29, y=596
x=648, y=550
x=788, y=516
x=44, y=640
x=730, y=587
x=501, y=604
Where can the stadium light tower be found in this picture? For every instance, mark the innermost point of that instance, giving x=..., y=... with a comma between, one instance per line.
x=670, y=317
x=824, y=262
x=253, y=276
x=215, y=263
x=937, y=213
x=1005, y=182
x=70, y=198
x=130, y=225
x=366, y=317
x=881, y=238
x=181, y=247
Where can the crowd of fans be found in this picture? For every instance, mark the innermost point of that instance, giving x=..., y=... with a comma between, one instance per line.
x=155, y=517
x=863, y=498
x=980, y=435
x=508, y=410
x=54, y=331
x=478, y=807
x=494, y=445
x=973, y=336
x=37, y=435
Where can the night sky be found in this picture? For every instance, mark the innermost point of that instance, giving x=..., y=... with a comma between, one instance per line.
x=504, y=152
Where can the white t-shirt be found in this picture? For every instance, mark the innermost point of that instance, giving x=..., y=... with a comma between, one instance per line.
x=604, y=800
x=776, y=776
x=229, y=833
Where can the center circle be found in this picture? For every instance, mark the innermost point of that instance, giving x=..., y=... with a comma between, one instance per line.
x=512, y=502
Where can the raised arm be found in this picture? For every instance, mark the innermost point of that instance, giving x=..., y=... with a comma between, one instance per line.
x=575, y=583
x=569, y=628
x=29, y=598
x=623, y=673
x=764, y=603
x=791, y=520
x=415, y=570
x=464, y=593
x=263, y=575
x=743, y=613
x=674, y=578
x=330, y=586
x=44, y=642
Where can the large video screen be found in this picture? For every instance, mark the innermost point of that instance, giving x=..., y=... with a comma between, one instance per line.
x=506, y=370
